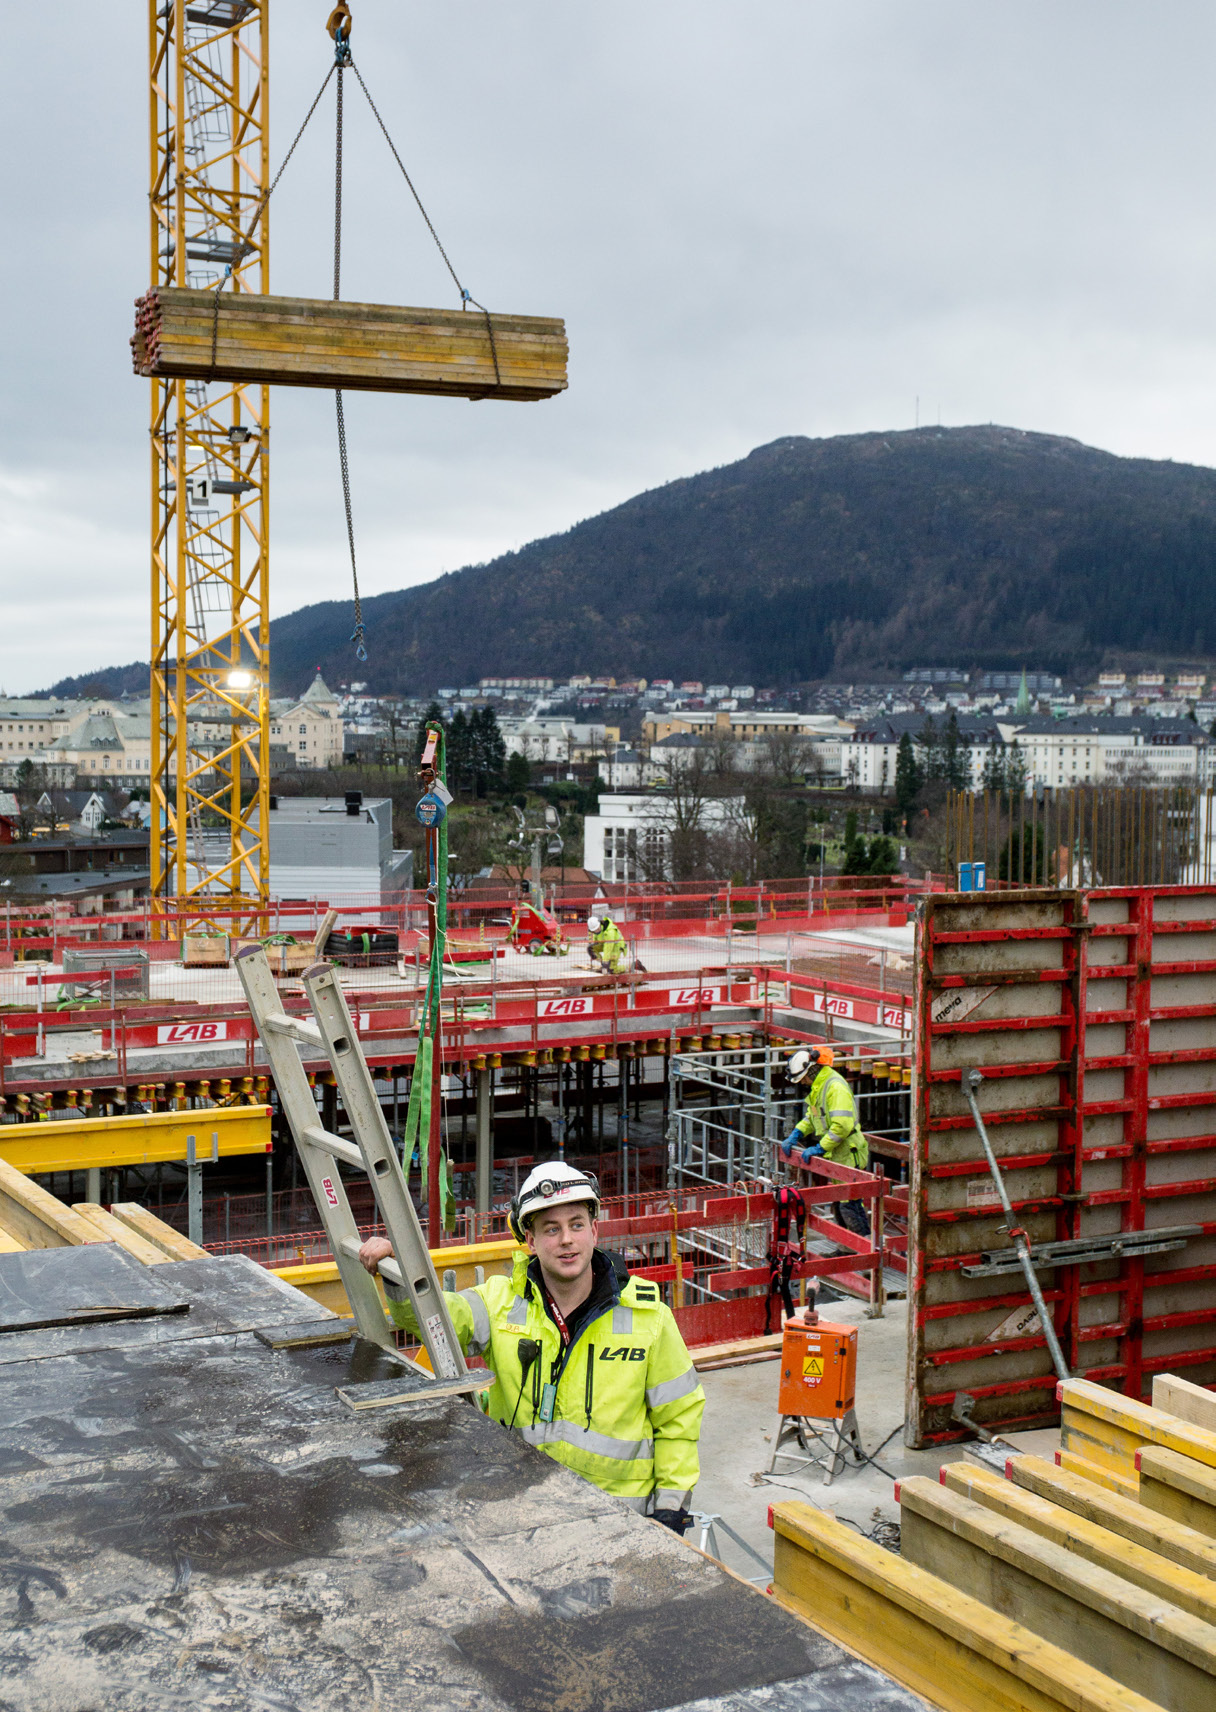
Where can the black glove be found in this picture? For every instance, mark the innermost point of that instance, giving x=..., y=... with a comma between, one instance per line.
x=679, y=1521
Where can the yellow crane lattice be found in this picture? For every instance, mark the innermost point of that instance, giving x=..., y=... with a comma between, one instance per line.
x=210, y=743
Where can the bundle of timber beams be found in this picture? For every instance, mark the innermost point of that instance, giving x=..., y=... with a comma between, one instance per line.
x=1085, y=1583
x=368, y=347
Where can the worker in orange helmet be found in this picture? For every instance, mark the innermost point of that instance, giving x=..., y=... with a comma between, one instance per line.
x=831, y=1119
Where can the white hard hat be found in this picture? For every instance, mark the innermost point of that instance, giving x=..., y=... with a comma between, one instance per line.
x=593, y=924
x=553, y=1184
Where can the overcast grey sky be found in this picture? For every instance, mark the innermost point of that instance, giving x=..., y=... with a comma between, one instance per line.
x=765, y=218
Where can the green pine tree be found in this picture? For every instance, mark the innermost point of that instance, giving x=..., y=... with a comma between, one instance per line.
x=1015, y=771
x=956, y=767
x=908, y=776
x=995, y=769
x=518, y=773
x=931, y=750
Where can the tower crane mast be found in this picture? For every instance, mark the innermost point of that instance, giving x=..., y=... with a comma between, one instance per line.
x=210, y=740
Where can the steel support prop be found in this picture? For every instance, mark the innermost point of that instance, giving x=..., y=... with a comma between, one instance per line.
x=1021, y=1242
x=485, y=1140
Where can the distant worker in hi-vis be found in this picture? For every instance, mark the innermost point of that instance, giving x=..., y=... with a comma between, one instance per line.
x=606, y=944
x=589, y=1363
x=831, y=1118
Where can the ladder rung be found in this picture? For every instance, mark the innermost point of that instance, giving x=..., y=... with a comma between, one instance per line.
x=320, y=1138
x=387, y=1268
x=297, y=1028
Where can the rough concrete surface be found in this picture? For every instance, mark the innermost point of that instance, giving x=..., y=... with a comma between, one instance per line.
x=203, y=1522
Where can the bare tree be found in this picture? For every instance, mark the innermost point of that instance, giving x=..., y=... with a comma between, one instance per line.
x=722, y=750
x=786, y=757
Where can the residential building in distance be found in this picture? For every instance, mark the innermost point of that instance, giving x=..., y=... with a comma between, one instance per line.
x=310, y=726
x=1055, y=752
x=741, y=724
x=630, y=837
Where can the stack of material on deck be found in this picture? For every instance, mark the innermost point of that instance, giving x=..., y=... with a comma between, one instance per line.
x=32, y=1218
x=370, y=347
x=1102, y=1435
x=1091, y=1583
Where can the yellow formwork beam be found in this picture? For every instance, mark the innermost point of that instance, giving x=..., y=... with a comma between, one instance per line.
x=142, y=1138
x=1107, y=1429
x=941, y=1643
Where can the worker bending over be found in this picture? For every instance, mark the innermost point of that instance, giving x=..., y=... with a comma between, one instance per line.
x=606, y=944
x=589, y=1363
x=831, y=1117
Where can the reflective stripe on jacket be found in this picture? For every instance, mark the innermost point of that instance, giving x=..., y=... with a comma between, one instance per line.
x=831, y=1117
x=627, y=1412
x=610, y=947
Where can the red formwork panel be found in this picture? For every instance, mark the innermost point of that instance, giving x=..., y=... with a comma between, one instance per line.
x=1091, y=1014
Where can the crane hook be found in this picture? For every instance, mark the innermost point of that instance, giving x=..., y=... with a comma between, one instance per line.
x=339, y=27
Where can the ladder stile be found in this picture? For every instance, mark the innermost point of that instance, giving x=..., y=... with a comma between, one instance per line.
x=296, y=1099
x=362, y=1104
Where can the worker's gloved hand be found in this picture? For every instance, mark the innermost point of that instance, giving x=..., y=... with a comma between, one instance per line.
x=809, y=1153
x=791, y=1141
x=679, y=1521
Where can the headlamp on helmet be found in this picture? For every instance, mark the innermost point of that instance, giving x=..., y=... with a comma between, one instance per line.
x=553, y=1184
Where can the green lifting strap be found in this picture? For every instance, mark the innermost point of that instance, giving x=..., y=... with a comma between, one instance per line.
x=418, y=1113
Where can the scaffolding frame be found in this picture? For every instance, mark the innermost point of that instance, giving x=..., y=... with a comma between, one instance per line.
x=210, y=712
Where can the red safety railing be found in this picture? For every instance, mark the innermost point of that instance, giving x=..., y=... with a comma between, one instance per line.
x=671, y=1241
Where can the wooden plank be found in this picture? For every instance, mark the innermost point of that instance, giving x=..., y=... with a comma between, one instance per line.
x=961, y=1655
x=1143, y=1641
x=1127, y=1486
x=1161, y=1534
x=357, y=346
x=767, y=1347
x=112, y=1230
x=35, y=1218
x=1109, y=1429
x=9, y=1244
x=1177, y=1486
x=1191, y=1403
x=172, y=1244
x=1191, y=1590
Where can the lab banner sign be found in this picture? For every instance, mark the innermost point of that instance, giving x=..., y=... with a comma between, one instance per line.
x=192, y=1033
x=852, y=1009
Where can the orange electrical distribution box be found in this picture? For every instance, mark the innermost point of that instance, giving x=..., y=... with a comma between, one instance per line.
x=818, y=1370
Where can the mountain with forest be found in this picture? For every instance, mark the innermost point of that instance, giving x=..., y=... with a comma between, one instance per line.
x=982, y=547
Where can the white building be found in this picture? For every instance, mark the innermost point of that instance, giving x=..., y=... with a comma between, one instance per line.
x=549, y=737
x=630, y=837
x=1054, y=752
x=310, y=726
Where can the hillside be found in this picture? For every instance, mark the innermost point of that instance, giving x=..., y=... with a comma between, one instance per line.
x=979, y=546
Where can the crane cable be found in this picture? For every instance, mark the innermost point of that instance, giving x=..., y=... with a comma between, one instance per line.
x=338, y=26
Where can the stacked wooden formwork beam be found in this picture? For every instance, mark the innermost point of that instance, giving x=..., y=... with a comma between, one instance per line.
x=369, y=347
x=1087, y=1583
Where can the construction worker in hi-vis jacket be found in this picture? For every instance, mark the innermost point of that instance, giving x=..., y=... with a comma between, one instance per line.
x=589, y=1363
x=606, y=944
x=831, y=1118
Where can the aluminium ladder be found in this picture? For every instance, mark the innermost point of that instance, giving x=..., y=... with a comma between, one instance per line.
x=333, y=1033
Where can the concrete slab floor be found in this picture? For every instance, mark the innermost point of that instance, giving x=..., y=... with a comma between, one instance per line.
x=741, y=1423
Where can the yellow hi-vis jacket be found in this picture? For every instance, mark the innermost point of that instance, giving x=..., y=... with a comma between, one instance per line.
x=831, y=1117
x=610, y=947
x=628, y=1405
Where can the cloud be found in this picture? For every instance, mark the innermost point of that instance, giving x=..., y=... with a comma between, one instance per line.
x=757, y=220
